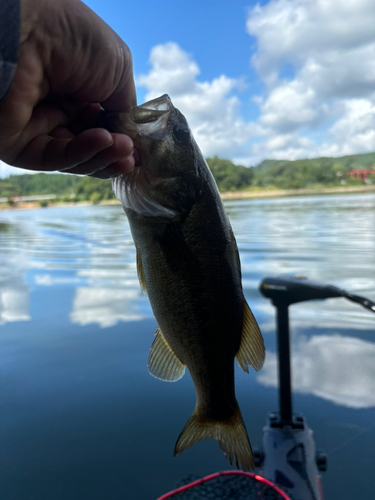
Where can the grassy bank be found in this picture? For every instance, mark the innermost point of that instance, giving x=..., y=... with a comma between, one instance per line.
x=272, y=192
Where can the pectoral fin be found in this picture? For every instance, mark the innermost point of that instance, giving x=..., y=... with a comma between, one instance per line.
x=141, y=275
x=251, y=351
x=162, y=361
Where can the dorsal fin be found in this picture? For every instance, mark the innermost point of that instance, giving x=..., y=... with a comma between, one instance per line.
x=251, y=351
x=162, y=361
x=141, y=275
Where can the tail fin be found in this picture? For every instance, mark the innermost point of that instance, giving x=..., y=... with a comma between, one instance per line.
x=231, y=435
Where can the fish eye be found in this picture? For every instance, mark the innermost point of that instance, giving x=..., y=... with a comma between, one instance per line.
x=181, y=134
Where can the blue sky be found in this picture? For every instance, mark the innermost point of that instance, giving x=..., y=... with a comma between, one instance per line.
x=214, y=33
x=273, y=79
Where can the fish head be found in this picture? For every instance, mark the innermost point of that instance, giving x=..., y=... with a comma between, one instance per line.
x=164, y=140
x=167, y=180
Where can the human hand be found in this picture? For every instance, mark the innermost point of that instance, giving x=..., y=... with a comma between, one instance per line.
x=70, y=65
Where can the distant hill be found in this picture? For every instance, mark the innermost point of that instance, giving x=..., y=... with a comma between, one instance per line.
x=282, y=174
x=324, y=171
x=65, y=186
x=365, y=160
x=31, y=184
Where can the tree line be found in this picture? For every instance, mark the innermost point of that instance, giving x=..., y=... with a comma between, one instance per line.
x=297, y=174
x=66, y=187
x=282, y=174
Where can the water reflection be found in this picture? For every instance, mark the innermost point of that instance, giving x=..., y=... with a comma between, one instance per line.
x=326, y=238
x=112, y=291
x=88, y=250
x=325, y=315
x=337, y=368
x=14, y=292
x=105, y=306
x=78, y=407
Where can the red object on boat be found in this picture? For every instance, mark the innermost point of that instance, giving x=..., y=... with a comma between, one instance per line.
x=228, y=485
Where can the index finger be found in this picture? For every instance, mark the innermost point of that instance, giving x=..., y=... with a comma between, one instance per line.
x=124, y=95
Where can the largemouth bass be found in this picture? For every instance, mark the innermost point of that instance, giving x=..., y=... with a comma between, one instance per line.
x=188, y=262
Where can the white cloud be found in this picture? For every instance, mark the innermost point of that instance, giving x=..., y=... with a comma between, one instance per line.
x=336, y=368
x=284, y=146
x=330, y=46
x=354, y=131
x=290, y=106
x=317, y=60
x=212, y=111
x=172, y=69
x=302, y=32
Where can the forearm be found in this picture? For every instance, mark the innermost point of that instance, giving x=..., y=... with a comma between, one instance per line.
x=9, y=42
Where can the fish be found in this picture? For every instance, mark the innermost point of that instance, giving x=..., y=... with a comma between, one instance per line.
x=188, y=263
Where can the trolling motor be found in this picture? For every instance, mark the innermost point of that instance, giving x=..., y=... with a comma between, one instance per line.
x=288, y=457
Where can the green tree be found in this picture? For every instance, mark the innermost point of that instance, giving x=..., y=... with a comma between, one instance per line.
x=228, y=176
x=95, y=197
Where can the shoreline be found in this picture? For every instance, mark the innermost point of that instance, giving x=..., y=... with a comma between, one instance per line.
x=235, y=195
x=278, y=193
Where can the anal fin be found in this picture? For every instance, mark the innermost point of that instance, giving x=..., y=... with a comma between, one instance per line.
x=162, y=361
x=251, y=351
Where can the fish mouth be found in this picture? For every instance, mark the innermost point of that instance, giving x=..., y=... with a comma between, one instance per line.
x=147, y=119
x=151, y=111
x=151, y=118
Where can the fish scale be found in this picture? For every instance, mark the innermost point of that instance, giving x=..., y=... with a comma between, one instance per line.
x=188, y=262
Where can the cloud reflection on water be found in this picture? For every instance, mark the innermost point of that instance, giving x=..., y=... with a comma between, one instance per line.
x=105, y=306
x=337, y=368
x=112, y=295
x=49, y=280
x=14, y=292
x=328, y=314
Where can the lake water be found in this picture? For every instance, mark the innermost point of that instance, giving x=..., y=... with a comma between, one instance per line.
x=81, y=418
